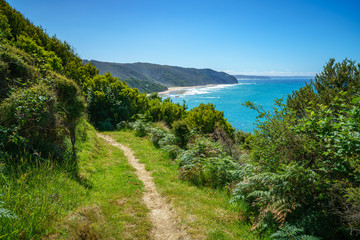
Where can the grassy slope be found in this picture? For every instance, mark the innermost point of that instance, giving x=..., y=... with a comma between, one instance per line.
x=106, y=203
x=206, y=213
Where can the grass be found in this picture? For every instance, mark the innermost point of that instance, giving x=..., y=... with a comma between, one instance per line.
x=206, y=213
x=103, y=201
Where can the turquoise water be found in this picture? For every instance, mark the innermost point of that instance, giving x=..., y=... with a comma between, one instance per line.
x=228, y=98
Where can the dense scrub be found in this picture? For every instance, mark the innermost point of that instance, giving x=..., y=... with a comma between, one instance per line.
x=303, y=173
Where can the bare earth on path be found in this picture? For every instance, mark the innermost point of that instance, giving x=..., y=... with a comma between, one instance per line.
x=165, y=222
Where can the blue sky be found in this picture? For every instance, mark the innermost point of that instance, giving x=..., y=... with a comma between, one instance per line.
x=277, y=37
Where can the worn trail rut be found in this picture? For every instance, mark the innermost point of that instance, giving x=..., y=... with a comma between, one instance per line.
x=164, y=220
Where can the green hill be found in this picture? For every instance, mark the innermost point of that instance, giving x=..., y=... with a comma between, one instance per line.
x=154, y=77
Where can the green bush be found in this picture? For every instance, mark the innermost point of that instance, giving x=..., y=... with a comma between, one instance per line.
x=29, y=122
x=206, y=164
x=110, y=98
x=156, y=135
x=205, y=119
x=70, y=106
x=173, y=151
x=182, y=132
x=240, y=137
x=165, y=110
x=305, y=160
x=141, y=128
x=16, y=69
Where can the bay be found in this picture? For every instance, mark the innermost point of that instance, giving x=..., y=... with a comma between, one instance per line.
x=229, y=98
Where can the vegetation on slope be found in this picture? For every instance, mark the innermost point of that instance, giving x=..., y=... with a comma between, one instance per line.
x=158, y=77
x=303, y=174
x=74, y=202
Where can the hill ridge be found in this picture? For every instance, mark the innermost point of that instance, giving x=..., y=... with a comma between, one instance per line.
x=151, y=77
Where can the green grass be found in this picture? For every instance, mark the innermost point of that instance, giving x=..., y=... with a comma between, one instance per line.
x=206, y=213
x=104, y=201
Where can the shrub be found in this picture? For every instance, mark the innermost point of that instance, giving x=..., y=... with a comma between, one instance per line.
x=110, y=98
x=121, y=125
x=305, y=158
x=205, y=164
x=141, y=128
x=28, y=119
x=156, y=135
x=165, y=110
x=181, y=132
x=168, y=139
x=173, y=151
x=70, y=105
x=205, y=118
x=240, y=137
x=292, y=232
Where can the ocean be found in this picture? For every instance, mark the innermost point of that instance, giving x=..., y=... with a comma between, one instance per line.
x=229, y=98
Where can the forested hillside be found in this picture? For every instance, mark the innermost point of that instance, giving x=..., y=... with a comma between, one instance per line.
x=154, y=77
x=296, y=177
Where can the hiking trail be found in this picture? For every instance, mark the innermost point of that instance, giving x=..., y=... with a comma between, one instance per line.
x=164, y=220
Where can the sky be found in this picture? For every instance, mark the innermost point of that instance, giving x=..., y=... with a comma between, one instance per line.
x=256, y=37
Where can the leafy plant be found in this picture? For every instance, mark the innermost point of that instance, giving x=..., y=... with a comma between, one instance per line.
x=292, y=232
x=205, y=119
x=182, y=132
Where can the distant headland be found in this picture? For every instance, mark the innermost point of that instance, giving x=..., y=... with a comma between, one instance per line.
x=148, y=77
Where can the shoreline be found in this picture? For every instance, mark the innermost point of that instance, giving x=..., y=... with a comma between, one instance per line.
x=182, y=90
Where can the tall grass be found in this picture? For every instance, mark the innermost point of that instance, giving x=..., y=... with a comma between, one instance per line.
x=39, y=191
x=37, y=194
x=96, y=197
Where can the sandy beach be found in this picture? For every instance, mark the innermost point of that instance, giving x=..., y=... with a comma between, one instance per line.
x=181, y=90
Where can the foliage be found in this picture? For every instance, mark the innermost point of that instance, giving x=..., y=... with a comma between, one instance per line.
x=206, y=164
x=16, y=69
x=71, y=106
x=302, y=155
x=205, y=118
x=39, y=107
x=45, y=60
x=292, y=232
x=141, y=128
x=244, y=139
x=336, y=77
x=182, y=132
x=227, y=142
x=5, y=30
x=28, y=121
x=156, y=135
x=109, y=98
x=165, y=110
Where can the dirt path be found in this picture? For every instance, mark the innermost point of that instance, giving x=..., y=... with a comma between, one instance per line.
x=164, y=219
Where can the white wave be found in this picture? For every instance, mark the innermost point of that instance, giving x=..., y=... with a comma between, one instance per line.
x=208, y=89
x=195, y=91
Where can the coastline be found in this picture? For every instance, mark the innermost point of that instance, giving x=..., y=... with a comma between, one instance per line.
x=182, y=90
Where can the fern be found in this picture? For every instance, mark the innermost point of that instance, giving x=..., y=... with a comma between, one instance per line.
x=290, y=232
x=6, y=213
